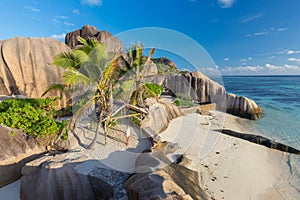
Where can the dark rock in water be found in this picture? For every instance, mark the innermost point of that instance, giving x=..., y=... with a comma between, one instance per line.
x=257, y=139
x=26, y=66
x=112, y=43
x=15, y=152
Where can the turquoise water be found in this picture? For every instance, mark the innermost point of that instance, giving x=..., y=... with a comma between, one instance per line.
x=279, y=97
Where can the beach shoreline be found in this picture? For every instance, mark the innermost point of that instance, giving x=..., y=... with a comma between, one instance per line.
x=233, y=168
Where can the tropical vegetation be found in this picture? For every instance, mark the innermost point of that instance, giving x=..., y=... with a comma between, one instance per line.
x=35, y=117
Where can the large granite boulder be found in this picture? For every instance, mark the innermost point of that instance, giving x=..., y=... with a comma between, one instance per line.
x=26, y=66
x=197, y=86
x=160, y=115
x=15, y=150
x=73, y=175
x=112, y=43
x=243, y=107
x=168, y=179
x=204, y=90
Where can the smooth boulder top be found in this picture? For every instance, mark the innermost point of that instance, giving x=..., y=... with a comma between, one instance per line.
x=26, y=66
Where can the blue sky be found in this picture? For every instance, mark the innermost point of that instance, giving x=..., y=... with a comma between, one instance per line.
x=241, y=36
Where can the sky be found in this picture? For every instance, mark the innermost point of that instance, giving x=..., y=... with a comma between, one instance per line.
x=242, y=37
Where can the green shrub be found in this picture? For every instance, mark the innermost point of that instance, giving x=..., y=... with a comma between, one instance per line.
x=183, y=100
x=35, y=117
x=156, y=89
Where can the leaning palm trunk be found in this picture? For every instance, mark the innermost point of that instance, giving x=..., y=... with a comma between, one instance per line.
x=99, y=123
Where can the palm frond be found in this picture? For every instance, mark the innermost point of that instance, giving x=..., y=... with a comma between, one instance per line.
x=65, y=60
x=152, y=51
x=82, y=41
x=147, y=89
x=110, y=70
x=81, y=56
x=55, y=87
x=74, y=77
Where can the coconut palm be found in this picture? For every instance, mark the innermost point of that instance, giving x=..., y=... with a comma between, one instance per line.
x=133, y=83
x=91, y=70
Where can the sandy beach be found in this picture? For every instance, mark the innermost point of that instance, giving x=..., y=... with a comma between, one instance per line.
x=230, y=168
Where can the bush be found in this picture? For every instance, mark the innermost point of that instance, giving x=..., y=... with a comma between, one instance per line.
x=183, y=100
x=156, y=89
x=35, y=117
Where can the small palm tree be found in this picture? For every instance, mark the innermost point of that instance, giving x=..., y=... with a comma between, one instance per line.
x=133, y=82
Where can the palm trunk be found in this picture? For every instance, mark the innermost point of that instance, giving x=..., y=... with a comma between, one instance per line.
x=99, y=123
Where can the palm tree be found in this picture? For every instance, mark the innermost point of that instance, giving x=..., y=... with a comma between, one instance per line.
x=89, y=67
x=133, y=82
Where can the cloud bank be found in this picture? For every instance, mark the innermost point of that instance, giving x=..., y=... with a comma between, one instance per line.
x=267, y=69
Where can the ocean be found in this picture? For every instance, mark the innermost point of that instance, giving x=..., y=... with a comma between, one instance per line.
x=279, y=97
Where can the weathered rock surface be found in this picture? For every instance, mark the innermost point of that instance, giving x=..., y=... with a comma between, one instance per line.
x=165, y=61
x=204, y=90
x=72, y=175
x=201, y=109
x=26, y=66
x=172, y=181
x=243, y=107
x=197, y=86
x=160, y=114
x=112, y=43
x=15, y=151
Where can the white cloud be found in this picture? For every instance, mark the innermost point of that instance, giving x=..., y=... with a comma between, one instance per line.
x=33, y=9
x=271, y=30
x=58, y=36
x=250, y=58
x=92, y=2
x=281, y=29
x=62, y=17
x=261, y=33
x=54, y=21
x=267, y=69
x=226, y=59
x=226, y=3
x=258, y=34
x=292, y=52
x=76, y=12
x=252, y=18
x=294, y=60
x=271, y=57
x=68, y=24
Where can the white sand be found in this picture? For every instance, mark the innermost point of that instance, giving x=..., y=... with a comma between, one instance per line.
x=230, y=168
